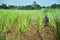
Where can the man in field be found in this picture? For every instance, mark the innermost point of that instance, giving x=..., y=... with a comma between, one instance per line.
x=46, y=19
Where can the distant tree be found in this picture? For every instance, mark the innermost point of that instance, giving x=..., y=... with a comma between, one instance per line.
x=55, y=6
x=48, y=7
x=19, y=7
x=58, y=6
x=4, y=6
x=29, y=7
x=36, y=6
x=43, y=7
x=10, y=7
x=0, y=6
x=22, y=7
x=13, y=7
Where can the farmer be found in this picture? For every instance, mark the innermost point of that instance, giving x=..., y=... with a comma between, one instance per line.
x=46, y=20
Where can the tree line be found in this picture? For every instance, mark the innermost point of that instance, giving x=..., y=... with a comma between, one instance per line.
x=34, y=6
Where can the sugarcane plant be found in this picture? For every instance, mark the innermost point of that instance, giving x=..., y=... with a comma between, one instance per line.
x=57, y=27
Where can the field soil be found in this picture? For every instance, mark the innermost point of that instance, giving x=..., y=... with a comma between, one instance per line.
x=46, y=33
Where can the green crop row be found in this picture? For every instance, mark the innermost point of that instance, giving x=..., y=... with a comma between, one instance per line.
x=20, y=19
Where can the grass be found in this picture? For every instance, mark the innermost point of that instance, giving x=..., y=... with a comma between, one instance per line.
x=20, y=19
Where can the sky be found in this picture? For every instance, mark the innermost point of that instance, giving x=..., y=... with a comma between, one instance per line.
x=29, y=2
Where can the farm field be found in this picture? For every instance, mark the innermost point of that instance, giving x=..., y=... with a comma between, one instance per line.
x=29, y=24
